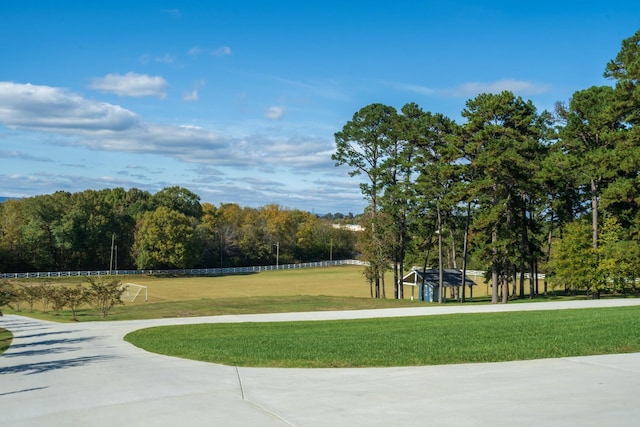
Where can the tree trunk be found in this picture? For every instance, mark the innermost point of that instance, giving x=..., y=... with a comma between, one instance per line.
x=594, y=222
x=424, y=268
x=527, y=248
x=440, y=272
x=465, y=248
x=548, y=255
x=453, y=249
x=535, y=276
x=594, y=213
x=402, y=253
x=505, y=286
x=521, y=294
x=396, y=281
x=494, y=268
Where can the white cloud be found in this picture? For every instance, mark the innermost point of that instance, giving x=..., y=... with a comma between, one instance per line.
x=191, y=96
x=194, y=51
x=324, y=88
x=55, y=109
x=131, y=84
x=23, y=156
x=174, y=13
x=274, y=113
x=187, y=143
x=48, y=183
x=300, y=153
x=222, y=51
x=421, y=90
x=518, y=87
x=71, y=120
x=166, y=59
x=100, y=125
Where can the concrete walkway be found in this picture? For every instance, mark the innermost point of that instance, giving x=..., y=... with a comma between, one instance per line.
x=85, y=374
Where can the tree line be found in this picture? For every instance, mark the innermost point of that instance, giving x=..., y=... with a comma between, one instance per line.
x=134, y=229
x=513, y=190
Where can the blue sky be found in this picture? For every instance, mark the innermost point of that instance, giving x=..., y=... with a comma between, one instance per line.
x=238, y=101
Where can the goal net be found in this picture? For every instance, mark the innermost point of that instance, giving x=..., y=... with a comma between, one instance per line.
x=131, y=292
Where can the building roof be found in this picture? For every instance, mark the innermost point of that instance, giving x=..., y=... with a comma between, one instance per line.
x=451, y=277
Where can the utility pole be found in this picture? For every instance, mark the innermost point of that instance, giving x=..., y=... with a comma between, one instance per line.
x=113, y=240
x=331, y=250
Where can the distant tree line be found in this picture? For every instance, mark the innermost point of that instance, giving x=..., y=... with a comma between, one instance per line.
x=513, y=191
x=133, y=229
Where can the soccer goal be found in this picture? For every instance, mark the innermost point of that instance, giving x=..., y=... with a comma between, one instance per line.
x=131, y=292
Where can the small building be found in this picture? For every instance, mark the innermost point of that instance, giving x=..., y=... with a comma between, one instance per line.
x=428, y=282
x=350, y=227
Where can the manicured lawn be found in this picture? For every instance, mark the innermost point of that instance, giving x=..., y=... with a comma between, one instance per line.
x=222, y=306
x=428, y=340
x=5, y=340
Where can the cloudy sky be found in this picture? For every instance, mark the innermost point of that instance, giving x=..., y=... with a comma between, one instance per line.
x=239, y=100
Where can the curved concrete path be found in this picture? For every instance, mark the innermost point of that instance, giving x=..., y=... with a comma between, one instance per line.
x=85, y=374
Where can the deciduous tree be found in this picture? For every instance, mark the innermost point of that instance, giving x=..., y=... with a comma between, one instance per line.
x=73, y=297
x=178, y=199
x=31, y=294
x=8, y=294
x=45, y=292
x=104, y=294
x=165, y=239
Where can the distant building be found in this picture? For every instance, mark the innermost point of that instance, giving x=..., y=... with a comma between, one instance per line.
x=428, y=282
x=350, y=227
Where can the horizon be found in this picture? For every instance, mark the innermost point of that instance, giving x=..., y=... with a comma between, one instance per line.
x=322, y=214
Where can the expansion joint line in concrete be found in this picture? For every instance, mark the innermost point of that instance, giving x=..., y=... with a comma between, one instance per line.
x=240, y=383
x=260, y=407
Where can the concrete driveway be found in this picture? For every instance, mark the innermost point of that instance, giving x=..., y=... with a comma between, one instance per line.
x=85, y=374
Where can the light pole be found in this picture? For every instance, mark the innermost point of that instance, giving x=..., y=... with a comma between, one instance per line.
x=277, y=245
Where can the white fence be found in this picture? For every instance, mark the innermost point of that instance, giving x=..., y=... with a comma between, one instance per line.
x=186, y=272
x=204, y=271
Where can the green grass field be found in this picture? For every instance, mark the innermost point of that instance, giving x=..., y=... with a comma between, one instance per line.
x=334, y=288
x=428, y=340
x=375, y=342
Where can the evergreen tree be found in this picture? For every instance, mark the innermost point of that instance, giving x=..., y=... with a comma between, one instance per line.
x=503, y=139
x=363, y=145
